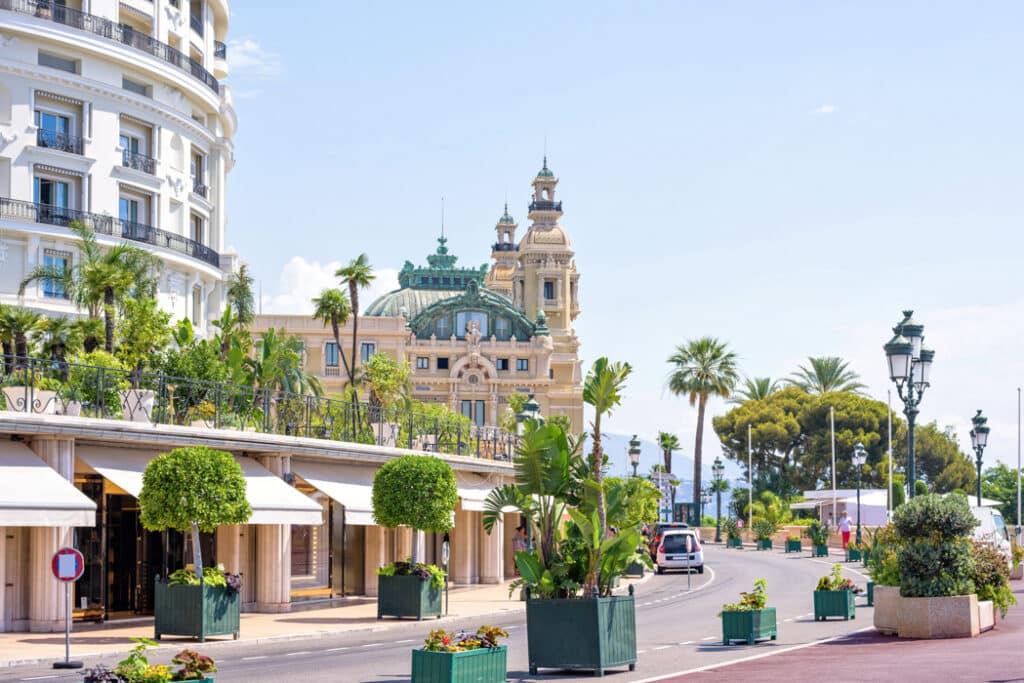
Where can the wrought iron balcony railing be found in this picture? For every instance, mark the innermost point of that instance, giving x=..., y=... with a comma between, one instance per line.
x=52, y=11
x=220, y=50
x=140, y=162
x=545, y=205
x=196, y=23
x=65, y=142
x=200, y=189
x=507, y=246
x=151, y=397
x=49, y=214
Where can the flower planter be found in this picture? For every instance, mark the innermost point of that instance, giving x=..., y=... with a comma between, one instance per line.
x=586, y=633
x=734, y=543
x=407, y=596
x=986, y=615
x=852, y=555
x=819, y=551
x=635, y=569
x=197, y=611
x=486, y=665
x=765, y=544
x=871, y=593
x=72, y=409
x=749, y=626
x=887, y=606
x=794, y=546
x=953, y=616
x=137, y=404
x=834, y=604
x=28, y=400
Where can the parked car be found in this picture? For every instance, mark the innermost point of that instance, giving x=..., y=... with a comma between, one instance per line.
x=992, y=529
x=679, y=549
x=658, y=531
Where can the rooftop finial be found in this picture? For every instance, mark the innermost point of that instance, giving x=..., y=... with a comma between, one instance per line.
x=442, y=217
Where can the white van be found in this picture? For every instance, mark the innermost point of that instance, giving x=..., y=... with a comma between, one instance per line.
x=992, y=529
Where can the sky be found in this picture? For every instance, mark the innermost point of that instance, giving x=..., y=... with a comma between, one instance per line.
x=785, y=176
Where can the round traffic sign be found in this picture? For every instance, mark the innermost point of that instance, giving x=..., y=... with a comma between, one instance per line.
x=67, y=565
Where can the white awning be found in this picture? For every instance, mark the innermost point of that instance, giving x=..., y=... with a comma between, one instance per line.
x=33, y=494
x=804, y=505
x=473, y=490
x=272, y=500
x=350, y=485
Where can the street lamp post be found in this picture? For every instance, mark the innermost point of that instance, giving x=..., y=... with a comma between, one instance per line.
x=634, y=453
x=979, y=439
x=705, y=499
x=717, y=470
x=909, y=368
x=860, y=456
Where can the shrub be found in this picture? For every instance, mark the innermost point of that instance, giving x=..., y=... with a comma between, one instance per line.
x=934, y=555
x=417, y=491
x=750, y=601
x=834, y=581
x=98, y=384
x=992, y=577
x=818, y=532
x=731, y=528
x=882, y=559
x=425, y=572
x=764, y=528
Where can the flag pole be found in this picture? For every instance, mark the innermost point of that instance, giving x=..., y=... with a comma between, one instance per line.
x=832, y=420
x=750, y=482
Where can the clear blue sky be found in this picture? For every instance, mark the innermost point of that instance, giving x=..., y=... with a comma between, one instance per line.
x=786, y=175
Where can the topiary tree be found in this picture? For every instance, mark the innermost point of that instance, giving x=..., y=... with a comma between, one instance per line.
x=417, y=491
x=193, y=489
x=934, y=556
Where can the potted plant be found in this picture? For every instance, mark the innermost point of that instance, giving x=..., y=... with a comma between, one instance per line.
x=447, y=657
x=834, y=595
x=764, y=529
x=27, y=390
x=194, y=489
x=416, y=491
x=854, y=552
x=136, y=668
x=991, y=581
x=884, y=587
x=731, y=527
x=142, y=331
x=793, y=544
x=818, y=533
x=750, y=619
x=98, y=379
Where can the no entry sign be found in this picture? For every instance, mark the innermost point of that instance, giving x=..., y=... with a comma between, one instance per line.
x=68, y=565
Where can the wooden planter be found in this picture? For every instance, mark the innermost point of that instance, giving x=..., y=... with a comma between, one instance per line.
x=764, y=544
x=819, y=551
x=794, y=546
x=853, y=555
x=486, y=665
x=197, y=611
x=588, y=633
x=749, y=626
x=834, y=604
x=734, y=543
x=407, y=596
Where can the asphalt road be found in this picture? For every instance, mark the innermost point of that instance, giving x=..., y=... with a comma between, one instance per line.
x=677, y=630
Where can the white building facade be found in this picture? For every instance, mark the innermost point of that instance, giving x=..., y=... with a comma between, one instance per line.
x=112, y=114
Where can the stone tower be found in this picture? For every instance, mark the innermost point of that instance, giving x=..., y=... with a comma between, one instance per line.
x=503, y=253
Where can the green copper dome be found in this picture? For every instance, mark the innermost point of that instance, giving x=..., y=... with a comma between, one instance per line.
x=506, y=218
x=545, y=172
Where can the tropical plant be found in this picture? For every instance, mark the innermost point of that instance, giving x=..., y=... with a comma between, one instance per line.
x=194, y=666
x=750, y=600
x=934, y=555
x=764, y=528
x=358, y=274
x=90, y=331
x=387, y=377
x=818, y=532
x=193, y=489
x=755, y=389
x=141, y=332
x=702, y=368
x=425, y=572
x=731, y=527
x=416, y=491
x=277, y=365
x=826, y=374
x=57, y=337
x=667, y=443
x=21, y=323
x=333, y=308
x=769, y=506
x=240, y=295
x=834, y=581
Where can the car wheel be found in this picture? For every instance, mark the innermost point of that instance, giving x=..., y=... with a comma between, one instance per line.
x=657, y=570
x=700, y=569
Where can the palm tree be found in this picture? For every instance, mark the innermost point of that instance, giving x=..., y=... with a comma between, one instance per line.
x=702, y=368
x=56, y=337
x=827, y=373
x=358, y=274
x=22, y=322
x=756, y=389
x=333, y=308
x=240, y=297
x=6, y=340
x=668, y=443
x=89, y=330
x=603, y=390
x=101, y=278
x=277, y=365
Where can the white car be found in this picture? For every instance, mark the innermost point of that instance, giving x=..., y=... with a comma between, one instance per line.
x=992, y=529
x=680, y=549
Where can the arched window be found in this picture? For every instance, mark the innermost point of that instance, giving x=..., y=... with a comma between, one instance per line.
x=464, y=318
x=441, y=327
x=502, y=329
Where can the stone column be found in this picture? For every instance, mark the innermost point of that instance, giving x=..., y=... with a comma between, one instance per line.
x=492, y=552
x=229, y=547
x=507, y=545
x=46, y=594
x=464, y=549
x=273, y=555
x=375, y=556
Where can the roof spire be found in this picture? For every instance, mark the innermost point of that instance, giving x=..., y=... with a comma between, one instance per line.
x=442, y=217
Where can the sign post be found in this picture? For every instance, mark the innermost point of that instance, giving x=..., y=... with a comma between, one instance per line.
x=67, y=566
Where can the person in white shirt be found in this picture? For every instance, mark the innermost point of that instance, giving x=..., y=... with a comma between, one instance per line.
x=844, y=528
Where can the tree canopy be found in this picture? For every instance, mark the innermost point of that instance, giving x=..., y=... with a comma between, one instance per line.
x=826, y=374
x=417, y=491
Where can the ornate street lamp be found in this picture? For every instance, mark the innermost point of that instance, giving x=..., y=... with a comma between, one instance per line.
x=634, y=453
x=859, y=457
x=529, y=411
x=705, y=499
x=910, y=368
x=717, y=472
x=979, y=439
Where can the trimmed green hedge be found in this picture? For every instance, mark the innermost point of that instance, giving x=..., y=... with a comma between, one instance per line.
x=417, y=491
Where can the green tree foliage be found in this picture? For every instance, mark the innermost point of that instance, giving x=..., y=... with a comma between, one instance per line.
x=639, y=501
x=142, y=332
x=387, y=377
x=934, y=555
x=98, y=382
x=1000, y=483
x=358, y=274
x=416, y=491
x=668, y=443
x=507, y=421
x=754, y=389
x=940, y=462
x=195, y=488
x=333, y=308
x=277, y=364
x=769, y=506
x=240, y=295
x=826, y=374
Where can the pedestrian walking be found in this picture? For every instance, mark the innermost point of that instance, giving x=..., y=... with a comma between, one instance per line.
x=844, y=528
x=519, y=543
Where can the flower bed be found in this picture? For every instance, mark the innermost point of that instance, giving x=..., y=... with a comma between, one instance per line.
x=461, y=658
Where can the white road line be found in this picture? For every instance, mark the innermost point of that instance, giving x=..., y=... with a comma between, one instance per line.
x=249, y=659
x=39, y=678
x=372, y=645
x=337, y=649
x=664, y=677
x=640, y=652
x=787, y=620
x=662, y=647
x=410, y=640
x=296, y=654
x=688, y=642
x=708, y=638
x=509, y=628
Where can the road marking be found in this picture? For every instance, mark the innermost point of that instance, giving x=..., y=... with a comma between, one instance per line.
x=509, y=628
x=39, y=678
x=640, y=652
x=249, y=659
x=296, y=654
x=372, y=645
x=665, y=677
x=708, y=638
x=662, y=647
x=337, y=649
x=410, y=640
x=787, y=620
x=688, y=642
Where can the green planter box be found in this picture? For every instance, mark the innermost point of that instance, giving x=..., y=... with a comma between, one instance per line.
x=794, y=546
x=749, y=626
x=734, y=543
x=871, y=593
x=834, y=604
x=486, y=665
x=588, y=633
x=852, y=555
x=635, y=569
x=819, y=551
x=765, y=544
x=197, y=611
x=407, y=596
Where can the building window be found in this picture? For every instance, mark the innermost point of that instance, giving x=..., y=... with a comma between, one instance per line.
x=422, y=363
x=549, y=290
x=197, y=229
x=463, y=319
x=502, y=329
x=197, y=304
x=55, y=62
x=55, y=131
x=56, y=262
x=51, y=192
x=475, y=411
x=551, y=374
x=128, y=210
x=331, y=354
x=198, y=168
x=522, y=364
x=503, y=363
x=442, y=363
x=134, y=86
x=368, y=350
x=442, y=328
